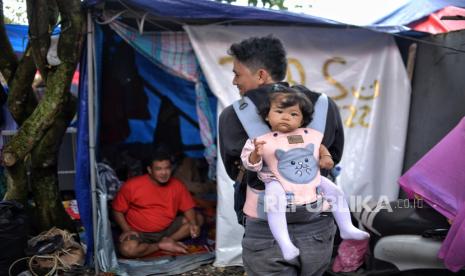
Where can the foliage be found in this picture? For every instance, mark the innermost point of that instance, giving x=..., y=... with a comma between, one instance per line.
x=7, y=20
x=15, y=11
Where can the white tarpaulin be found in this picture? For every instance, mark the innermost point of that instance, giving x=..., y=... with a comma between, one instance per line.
x=364, y=74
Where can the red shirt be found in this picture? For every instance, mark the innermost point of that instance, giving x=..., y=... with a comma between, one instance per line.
x=149, y=207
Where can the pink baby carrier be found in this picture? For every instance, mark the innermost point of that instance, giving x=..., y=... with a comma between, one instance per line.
x=292, y=157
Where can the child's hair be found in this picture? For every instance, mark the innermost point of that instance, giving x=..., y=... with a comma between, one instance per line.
x=285, y=97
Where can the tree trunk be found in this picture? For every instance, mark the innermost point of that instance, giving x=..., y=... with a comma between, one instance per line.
x=44, y=164
x=31, y=156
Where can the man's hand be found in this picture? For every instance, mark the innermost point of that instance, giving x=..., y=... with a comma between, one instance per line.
x=256, y=155
x=326, y=162
x=194, y=230
x=128, y=235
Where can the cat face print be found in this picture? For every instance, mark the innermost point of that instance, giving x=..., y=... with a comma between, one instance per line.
x=298, y=165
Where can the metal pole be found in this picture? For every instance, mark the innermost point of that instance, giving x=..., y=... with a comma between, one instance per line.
x=412, y=54
x=91, y=118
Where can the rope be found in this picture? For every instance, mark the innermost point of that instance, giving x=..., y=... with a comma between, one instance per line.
x=56, y=257
x=51, y=271
x=67, y=237
x=141, y=23
x=14, y=263
x=111, y=19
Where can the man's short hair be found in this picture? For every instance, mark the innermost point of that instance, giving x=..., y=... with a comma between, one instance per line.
x=160, y=154
x=262, y=53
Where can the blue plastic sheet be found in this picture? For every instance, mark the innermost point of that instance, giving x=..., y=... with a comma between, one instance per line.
x=181, y=92
x=82, y=179
x=387, y=21
x=18, y=36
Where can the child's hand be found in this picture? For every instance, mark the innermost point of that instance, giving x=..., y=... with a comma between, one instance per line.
x=258, y=146
x=256, y=155
x=326, y=162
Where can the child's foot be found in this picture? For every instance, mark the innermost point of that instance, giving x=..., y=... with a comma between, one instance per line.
x=353, y=233
x=290, y=252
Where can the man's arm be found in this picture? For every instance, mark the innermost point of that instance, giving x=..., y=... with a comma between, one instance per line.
x=190, y=216
x=120, y=206
x=334, y=132
x=121, y=221
x=192, y=220
x=232, y=137
x=326, y=161
x=123, y=224
x=186, y=205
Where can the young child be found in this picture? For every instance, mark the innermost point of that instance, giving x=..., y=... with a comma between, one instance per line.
x=288, y=166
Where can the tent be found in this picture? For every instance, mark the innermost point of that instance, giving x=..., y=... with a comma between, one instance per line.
x=171, y=16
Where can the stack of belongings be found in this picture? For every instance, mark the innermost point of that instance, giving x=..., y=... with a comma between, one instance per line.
x=52, y=251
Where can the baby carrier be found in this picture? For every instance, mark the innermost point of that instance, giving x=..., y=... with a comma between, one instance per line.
x=254, y=126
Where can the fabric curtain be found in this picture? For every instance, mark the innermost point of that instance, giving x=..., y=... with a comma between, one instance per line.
x=173, y=52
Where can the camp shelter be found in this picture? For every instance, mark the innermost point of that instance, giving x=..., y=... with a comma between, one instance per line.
x=184, y=18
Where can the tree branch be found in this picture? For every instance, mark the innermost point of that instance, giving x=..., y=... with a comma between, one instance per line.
x=53, y=12
x=21, y=99
x=39, y=33
x=73, y=27
x=8, y=59
x=58, y=84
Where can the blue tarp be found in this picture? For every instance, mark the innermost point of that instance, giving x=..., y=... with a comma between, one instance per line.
x=82, y=185
x=384, y=16
x=82, y=177
x=211, y=10
x=158, y=82
x=180, y=92
x=18, y=36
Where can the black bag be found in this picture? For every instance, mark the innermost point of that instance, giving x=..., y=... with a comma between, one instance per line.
x=14, y=228
x=240, y=189
x=3, y=98
x=239, y=201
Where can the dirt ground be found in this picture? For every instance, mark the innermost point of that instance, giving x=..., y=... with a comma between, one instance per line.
x=209, y=269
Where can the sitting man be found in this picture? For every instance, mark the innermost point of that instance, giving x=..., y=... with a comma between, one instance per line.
x=146, y=208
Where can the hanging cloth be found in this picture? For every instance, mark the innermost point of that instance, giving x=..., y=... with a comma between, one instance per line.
x=172, y=51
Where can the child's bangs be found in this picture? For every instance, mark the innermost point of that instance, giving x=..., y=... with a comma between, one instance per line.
x=284, y=100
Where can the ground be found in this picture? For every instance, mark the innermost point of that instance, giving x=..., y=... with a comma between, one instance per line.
x=209, y=269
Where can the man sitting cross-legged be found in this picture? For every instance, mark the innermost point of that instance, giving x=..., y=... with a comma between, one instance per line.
x=155, y=211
